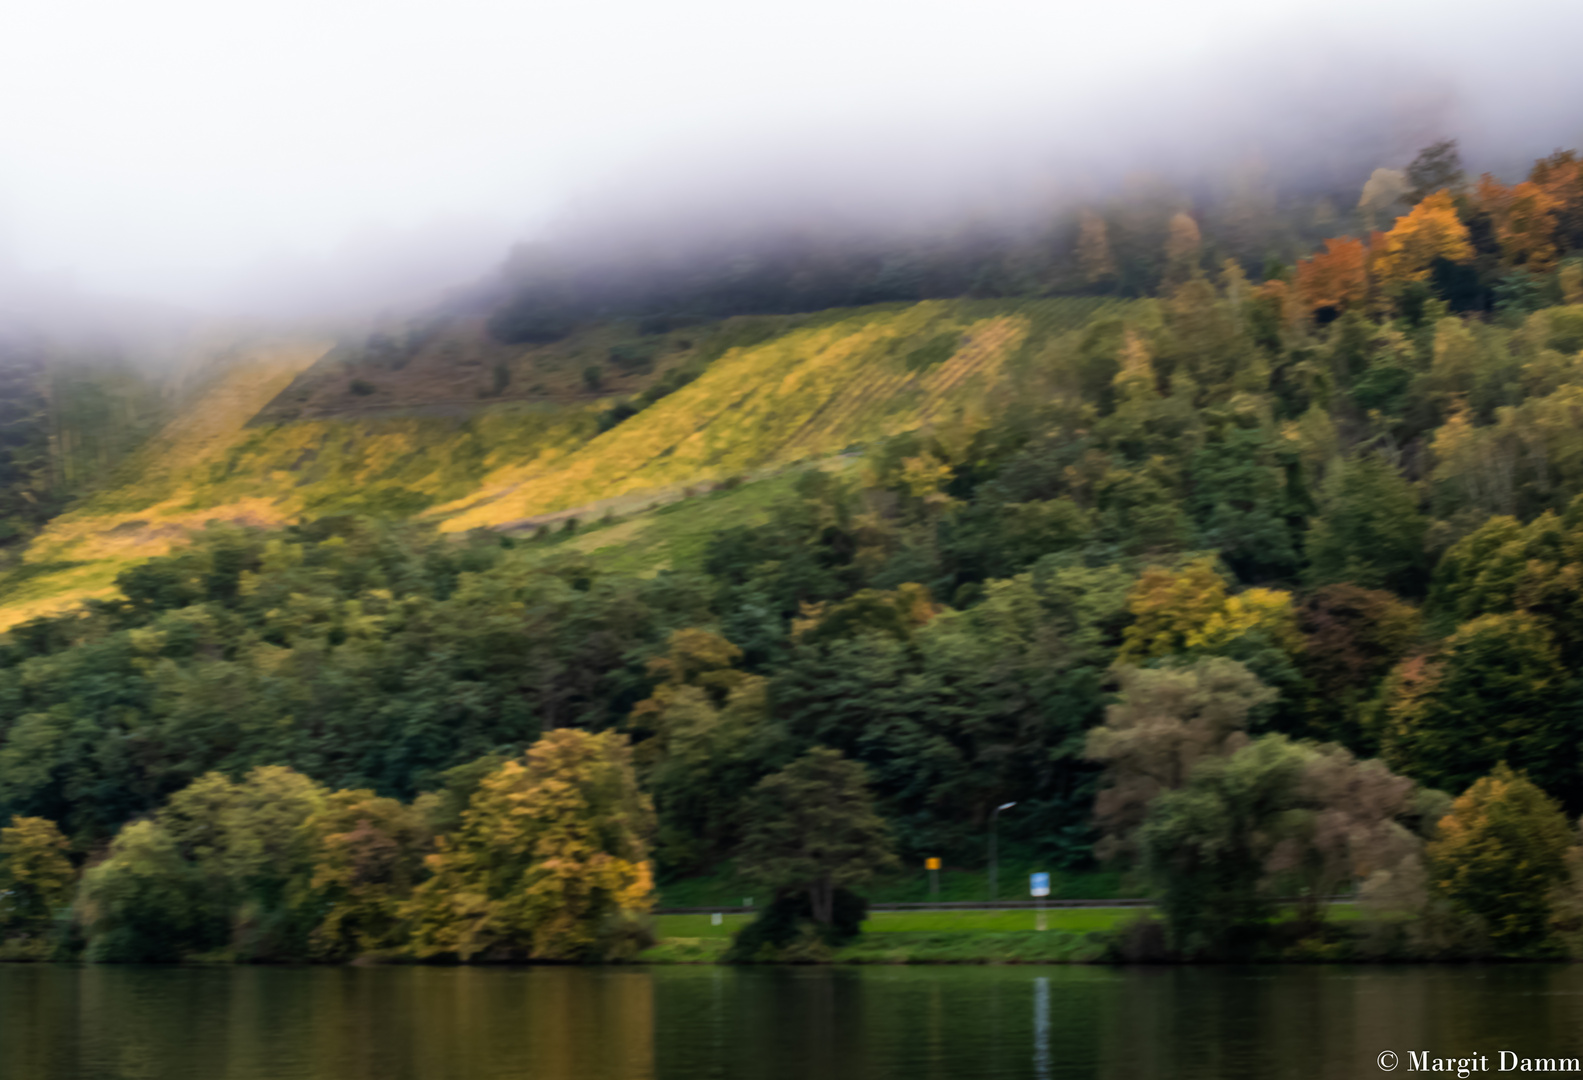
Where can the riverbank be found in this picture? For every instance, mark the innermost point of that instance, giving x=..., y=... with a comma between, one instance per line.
x=1069, y=935
x=1024, y=947
x=1085, y=935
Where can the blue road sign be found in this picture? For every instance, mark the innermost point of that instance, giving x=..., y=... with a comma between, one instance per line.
x=1039, y=884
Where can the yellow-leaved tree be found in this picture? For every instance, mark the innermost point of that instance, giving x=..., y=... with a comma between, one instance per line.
x=367, y=853
x=551, y=861
x=1432, y=230
x=1189, y=611
x=36, y=879
x=1500, y=853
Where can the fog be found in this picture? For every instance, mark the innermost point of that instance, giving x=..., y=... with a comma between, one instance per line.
x=303, y=158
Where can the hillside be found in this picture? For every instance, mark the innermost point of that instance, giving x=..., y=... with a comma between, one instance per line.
x=1253, y=589
x=284, y=432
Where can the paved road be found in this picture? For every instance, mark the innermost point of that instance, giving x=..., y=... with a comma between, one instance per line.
x=951, y=905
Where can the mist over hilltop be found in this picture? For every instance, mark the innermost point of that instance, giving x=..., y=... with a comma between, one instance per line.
x=304, y=159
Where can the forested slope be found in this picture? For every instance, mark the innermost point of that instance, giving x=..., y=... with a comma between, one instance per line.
x=1233, y=587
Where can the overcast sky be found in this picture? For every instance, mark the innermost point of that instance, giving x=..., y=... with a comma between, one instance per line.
x=172, y=148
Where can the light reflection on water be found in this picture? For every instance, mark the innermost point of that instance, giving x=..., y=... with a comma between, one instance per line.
x=923, y=1023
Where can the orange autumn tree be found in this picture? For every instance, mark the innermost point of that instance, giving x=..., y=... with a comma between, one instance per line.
x=1560, y=177
x=1525, y=222
x=1337, y=277
x=1432, y=230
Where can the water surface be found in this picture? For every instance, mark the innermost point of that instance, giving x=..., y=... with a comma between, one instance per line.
x=694, y=1023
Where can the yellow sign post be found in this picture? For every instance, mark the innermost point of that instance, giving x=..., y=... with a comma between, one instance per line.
x=932, y=864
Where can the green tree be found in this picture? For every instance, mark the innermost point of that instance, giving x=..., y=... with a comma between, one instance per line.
x=144, y=903
x=551, y=862
x=249, y=842
x=1275, y=817
x=812, y=827
x=1504, y=566
x=705, y=739
x=1494, y=691
x=1437, y=167
x=1370, y=531
x=1206, y=844
x=1499, y=853
x=1242, y=503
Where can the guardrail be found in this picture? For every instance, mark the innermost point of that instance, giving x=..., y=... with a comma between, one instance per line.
x=942, y=905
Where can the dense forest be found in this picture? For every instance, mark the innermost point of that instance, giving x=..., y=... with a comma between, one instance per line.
x=1287, y=558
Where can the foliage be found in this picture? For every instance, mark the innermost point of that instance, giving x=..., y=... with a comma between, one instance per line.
x=1494, y=691
x=36, y=877
x=144, y=902
x=1499, y=854
x=959, y=536
x=1338, y=278
x=1190, y=612
x=551, y=862
x=1430, y=231
x=1370, y=531
x=367, y=856
x=785, y=930
x=1166, y=721
x=1351, y=639
x=1274, y=812
x=811, y=828
x=708, y=739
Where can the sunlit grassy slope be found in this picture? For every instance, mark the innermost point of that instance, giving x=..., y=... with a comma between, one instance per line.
x=840, y=381
x=823, y=385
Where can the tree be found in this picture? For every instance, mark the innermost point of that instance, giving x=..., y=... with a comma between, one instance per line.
x=1205, y=846
x=1183, y=248
x=1274, y=816
x=36, y=877
x=1560, y=176
x=1351, y=639
x=705, y=738
x=1242, y=503
x=1093, y=249
x=1499, y=853
x=551, y=862
x=1430, y=231
x=1207, y=352
x=1166, y=721
x=144, y=902
x=367, y=856
x=1494, y=691
x=1370, y=531
x=1337, y=278
x=1352, y=821
x=812, y=827
x=1438, y=167
x=1504, y=566
x=1189, y=611
x=1381, y=191
x=1525, y=223
x=249, y=843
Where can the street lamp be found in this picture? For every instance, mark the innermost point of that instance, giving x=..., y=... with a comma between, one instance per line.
x=994, y=867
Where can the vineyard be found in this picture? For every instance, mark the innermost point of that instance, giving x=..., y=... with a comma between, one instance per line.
x=819, y=387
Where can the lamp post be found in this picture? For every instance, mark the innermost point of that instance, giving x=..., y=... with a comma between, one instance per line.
x=994, y=866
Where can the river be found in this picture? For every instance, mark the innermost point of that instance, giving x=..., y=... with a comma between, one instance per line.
x=697, y=1023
